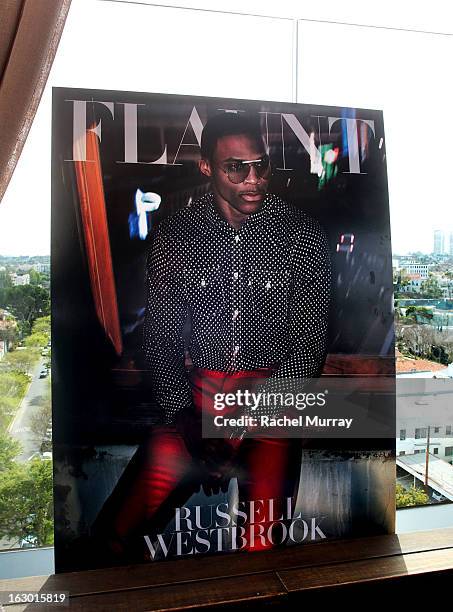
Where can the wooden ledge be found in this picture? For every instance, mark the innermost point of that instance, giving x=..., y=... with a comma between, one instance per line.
x=253, y=579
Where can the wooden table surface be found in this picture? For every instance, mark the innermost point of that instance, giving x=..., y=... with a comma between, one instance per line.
x=274, y=579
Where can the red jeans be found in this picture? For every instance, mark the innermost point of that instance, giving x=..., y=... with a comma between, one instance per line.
x=266, y=468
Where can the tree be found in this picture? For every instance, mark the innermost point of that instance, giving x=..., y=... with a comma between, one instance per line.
x=401, y=279
x=42, y=325
x=27, y=303
x=13, y=384
x=415, y=496
x=42, y=417
x=26, y=507
x=9, y=450
x=439, y=354
x=12, y=389
x=36, y=340
x=419, y=312
x=35, y=278
x=8, y=407
x=9, y=330
x=418, y=339
x=430, y=288
x=5, y=280
x=20, y=360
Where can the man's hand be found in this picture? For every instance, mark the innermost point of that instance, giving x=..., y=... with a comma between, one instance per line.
x=218, y=459
x=216, y=455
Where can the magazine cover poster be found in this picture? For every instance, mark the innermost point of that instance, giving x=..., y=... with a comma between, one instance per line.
x=222, y=326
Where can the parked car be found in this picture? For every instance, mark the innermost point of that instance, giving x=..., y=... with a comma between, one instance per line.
x=30, y=542
x=43, y=373
x=438, y=496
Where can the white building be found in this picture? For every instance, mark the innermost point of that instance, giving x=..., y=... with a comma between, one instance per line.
x=425, y=406
x=446, y=284
x=414, y=440
x=42, y=267
x=416, y=268
x=23, y=279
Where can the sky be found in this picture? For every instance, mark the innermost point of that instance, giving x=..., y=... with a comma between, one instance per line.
x=125, y=46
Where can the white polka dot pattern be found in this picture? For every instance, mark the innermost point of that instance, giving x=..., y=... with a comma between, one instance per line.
x=256, y=297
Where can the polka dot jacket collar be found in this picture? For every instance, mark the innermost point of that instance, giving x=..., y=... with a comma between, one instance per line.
x=244, y=299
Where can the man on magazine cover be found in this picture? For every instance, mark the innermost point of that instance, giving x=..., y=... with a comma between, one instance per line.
x=239, y=281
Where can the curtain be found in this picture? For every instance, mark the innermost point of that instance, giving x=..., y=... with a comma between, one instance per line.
x=30, y=31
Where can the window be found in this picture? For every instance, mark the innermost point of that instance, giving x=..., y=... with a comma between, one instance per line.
x=426, y=59
x=421, y=432
x=178, y=71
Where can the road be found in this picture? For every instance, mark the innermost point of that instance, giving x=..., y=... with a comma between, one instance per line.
x=20, y=427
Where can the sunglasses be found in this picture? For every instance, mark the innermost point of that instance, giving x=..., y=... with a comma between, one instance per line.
x=238, y=171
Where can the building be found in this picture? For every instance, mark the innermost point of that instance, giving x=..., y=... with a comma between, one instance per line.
x=446, y=284
x=424, y=392
x=413, y=440
x=42, y=267
x=439, y=242
x=414, y=284
x=22, y=279
x=413, y=267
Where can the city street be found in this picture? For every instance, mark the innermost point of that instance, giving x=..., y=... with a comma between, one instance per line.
x=20, y=427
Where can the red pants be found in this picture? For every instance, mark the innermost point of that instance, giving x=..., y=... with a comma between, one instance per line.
x=264, y=467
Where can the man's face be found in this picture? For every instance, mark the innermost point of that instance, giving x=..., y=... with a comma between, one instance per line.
x=246, y=197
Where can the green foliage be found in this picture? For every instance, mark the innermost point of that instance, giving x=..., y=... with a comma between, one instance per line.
x=441, y=354
x=415, y=496
x=42, y=325
x=37, y=340
x=8, y=407
x=24, y=328
x=21, y=360
x=9, y=450
x=400, y=279
x=26, y=505
x=36, y=278
x=418, y=313
x=430, y=288
x=26, y=508
x=10, y=333
x=40, y=333
x=5, y=281
x=13, y=384
x=26, y=302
